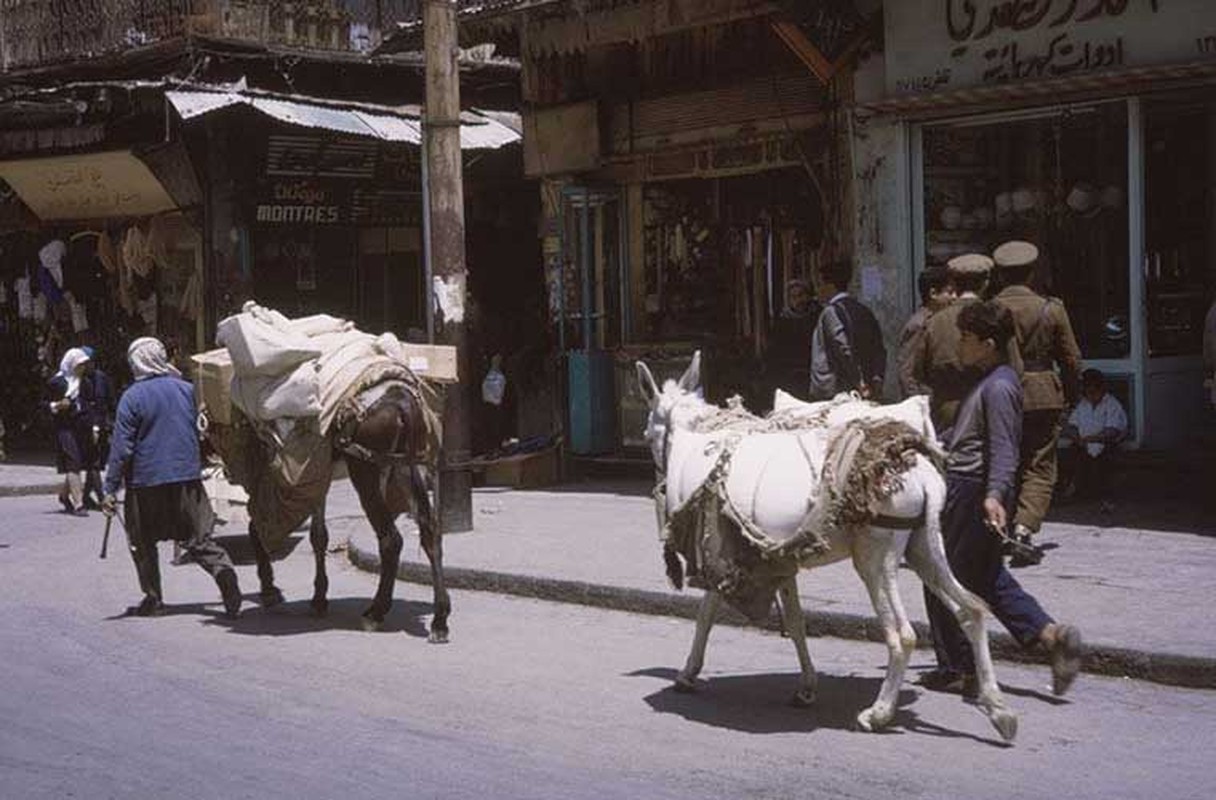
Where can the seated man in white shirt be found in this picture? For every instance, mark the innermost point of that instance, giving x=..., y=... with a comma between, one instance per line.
x=1093, y=431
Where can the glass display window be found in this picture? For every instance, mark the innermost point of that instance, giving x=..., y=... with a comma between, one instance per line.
x=1180, y=132
x=1057, y=179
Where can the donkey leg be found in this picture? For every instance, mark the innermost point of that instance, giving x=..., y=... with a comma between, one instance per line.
x=927, y=556
x=269, y=594
x=795, y=627
x=318, y=536
x=876, y=559
x=366, y=480
x=686, y=681
x=432, y=544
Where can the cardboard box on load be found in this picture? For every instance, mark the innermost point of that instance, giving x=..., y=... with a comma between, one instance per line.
x=436, y=362
x=213, y=384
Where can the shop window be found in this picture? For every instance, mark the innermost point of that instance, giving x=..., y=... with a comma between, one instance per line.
x=1059, y=181
x=1179, y=216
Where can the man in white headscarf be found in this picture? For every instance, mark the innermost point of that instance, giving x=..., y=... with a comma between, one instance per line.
x=71, y=444
x=155, y=451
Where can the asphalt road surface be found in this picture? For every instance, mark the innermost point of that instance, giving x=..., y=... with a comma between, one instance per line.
x=529, y=700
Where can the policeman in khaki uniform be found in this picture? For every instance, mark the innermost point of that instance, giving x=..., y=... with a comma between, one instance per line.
x=1051, y=365
x=934, y=362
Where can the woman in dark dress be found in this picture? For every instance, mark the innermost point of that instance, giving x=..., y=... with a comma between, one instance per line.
x=72, y=434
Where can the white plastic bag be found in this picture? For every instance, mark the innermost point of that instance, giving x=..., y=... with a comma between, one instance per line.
x=494, y=386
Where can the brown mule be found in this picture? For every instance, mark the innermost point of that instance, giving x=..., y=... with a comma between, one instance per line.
x=384, y=453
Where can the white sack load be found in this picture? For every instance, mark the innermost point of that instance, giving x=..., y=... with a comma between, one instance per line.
x=295, y=394
x=261, y=342
x=319, y=325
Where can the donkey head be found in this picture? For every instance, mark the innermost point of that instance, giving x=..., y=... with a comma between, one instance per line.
x=667, y=403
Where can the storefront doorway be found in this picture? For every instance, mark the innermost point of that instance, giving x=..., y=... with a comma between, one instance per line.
x=1118, y=196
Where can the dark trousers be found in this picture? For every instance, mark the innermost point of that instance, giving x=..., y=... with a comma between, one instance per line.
x=172, y=511
x=1090, y=474
x=974, y=554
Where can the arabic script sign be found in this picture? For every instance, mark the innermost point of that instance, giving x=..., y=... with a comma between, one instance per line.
x=938, y=45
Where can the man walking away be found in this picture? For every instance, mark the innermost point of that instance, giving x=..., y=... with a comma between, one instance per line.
x=847, y=352
x=981, y=479
x=1046, y=342
x=155, y=450
x=934, y=362
x=936, y=292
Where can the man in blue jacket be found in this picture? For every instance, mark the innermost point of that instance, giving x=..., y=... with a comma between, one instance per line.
x=155, y=450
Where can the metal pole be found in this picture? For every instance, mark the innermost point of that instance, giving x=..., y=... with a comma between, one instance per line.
x=445, y=192
x=585, y=248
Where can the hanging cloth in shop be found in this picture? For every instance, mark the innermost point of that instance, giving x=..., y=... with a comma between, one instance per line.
x=191, y=305
x=80, y=318
x=742, y=298
x=25, y=298
x=768, y=261
x=136, y=253
x=106, y=253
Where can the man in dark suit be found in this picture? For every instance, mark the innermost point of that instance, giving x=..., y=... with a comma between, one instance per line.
x=847, y=351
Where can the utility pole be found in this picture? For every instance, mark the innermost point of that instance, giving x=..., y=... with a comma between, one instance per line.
x=445, y=197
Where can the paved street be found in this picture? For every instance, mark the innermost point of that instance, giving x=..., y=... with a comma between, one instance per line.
x=531, y=700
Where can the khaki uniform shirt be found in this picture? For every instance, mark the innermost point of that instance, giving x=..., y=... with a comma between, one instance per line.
x=1051, y=359
x=909, y=342
x=935, y=364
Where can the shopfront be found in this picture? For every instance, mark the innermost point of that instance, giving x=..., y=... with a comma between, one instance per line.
x=94, y=251
x=1088, y=128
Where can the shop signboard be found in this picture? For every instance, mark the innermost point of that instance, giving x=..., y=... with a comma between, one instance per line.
x=316, y=203
x=940, y=45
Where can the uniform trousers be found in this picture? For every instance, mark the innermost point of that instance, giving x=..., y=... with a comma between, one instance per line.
x=974, y=554
x=172, y=511
x=1038, y=466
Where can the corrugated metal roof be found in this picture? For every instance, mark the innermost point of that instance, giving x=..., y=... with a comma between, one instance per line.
x=478, y=130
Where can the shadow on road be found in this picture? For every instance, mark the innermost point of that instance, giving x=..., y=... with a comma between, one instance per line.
x=345, y=614
x=240, y=548
x=760, y=704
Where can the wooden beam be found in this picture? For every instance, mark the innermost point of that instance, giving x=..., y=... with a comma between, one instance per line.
x=807, y=53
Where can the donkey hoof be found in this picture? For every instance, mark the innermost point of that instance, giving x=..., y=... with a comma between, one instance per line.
x=438, y=637
x=371, y=624
x=803, y=698
x=685, y=685
x=874, y=719
x=1005, y=722
x=319, y=607
x=269, y=598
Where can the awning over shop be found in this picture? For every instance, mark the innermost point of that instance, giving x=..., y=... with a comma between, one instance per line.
x=478, y=130
x=87, y=186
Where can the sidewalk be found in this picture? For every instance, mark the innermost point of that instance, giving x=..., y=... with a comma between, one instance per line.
x=18, y=479
x=1141, y=597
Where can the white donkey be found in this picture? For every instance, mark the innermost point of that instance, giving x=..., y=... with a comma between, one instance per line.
x=771, y=481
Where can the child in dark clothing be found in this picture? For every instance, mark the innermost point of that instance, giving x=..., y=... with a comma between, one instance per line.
x=981, y=485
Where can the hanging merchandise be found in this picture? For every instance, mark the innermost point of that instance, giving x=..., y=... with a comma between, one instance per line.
x=106, y=253
x=25, y=299
x=191, y=305
x=135, y=252
x=3, y=294
x=40, y=308
x=80, y=319
x=51, y=258
x=147, y=312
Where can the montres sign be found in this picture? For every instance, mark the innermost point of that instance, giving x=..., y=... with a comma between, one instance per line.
x=299, y=203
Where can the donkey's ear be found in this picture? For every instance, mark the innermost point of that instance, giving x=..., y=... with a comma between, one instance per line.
x=691, y=378
x=650, y=389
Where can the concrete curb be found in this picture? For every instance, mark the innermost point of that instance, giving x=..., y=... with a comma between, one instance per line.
x=1164, y=668
x=30, y=490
